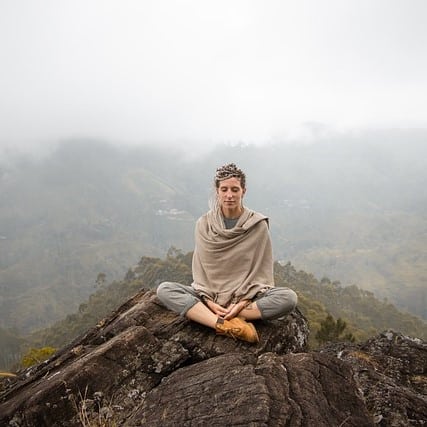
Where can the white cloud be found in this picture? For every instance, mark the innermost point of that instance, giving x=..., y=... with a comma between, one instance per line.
x=209, y=71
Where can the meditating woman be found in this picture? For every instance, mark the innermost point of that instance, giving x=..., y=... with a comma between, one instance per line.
x=232, y=267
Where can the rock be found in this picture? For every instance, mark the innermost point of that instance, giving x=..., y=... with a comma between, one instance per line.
x=146, y=366
x=391, y=372
x=125, y=357
x=248, y=390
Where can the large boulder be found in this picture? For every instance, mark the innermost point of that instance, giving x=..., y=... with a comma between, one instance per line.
x=110, y=370
x=146, y=366
x=247, y=390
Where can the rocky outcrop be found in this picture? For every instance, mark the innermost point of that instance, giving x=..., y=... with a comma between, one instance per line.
x=144, y=365
x=248, y=390
x=390, y=370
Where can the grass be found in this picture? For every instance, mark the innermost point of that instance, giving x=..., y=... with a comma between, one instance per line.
x=92, y=412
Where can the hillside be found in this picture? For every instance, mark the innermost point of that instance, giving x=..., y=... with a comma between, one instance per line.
x=70, y=217
x=352, y=209
x=365, y=314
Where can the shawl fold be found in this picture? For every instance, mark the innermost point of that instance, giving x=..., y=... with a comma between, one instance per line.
x=234, y=264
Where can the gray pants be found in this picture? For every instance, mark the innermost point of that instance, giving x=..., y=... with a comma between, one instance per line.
x=273, y=303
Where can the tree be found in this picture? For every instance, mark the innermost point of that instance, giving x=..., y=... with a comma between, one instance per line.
x=331, y=330
x=173, y=252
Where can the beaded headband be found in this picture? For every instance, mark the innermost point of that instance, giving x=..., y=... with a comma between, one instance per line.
x=229, y=170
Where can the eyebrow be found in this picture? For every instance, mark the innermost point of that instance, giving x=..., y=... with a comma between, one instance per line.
x=231, y=186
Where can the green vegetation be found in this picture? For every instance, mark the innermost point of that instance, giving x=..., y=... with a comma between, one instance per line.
x=364, y=314
x=148, y=273
x=352, y=209
x=36, y=355
x=359, y=313
x=332, y=330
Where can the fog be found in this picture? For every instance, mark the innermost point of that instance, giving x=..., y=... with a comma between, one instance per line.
x=200, y=73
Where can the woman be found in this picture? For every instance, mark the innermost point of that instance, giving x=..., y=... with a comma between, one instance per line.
x=232, y=266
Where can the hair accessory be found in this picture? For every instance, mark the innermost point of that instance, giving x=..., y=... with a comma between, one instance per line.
x=229, y=170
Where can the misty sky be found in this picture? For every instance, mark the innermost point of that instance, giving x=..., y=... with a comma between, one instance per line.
x=209, y=71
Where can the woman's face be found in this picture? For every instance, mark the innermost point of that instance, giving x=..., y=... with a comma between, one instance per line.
x=230, y=194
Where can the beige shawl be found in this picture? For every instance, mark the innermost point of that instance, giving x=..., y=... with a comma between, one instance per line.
x=234, y=264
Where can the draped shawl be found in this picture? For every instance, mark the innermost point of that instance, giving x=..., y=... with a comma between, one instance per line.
x=232, y=264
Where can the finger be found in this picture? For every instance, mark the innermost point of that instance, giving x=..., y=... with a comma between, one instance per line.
x=220, y=311
x=233, y=313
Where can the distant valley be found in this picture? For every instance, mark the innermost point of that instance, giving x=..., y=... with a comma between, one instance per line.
x=351, y=209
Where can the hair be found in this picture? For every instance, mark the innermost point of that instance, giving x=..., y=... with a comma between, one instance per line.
x=230, y=170
x=227, y=171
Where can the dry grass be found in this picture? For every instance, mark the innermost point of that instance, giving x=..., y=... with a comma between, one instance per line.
x=364, y=357
x=93, y=412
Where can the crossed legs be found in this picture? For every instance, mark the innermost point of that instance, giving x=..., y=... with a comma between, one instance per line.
x=182, y=299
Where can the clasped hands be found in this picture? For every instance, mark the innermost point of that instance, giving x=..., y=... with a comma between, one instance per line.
x=227, y=313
